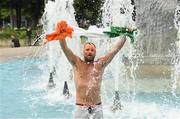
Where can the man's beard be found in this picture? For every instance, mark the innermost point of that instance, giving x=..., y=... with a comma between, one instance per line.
x=89, y=59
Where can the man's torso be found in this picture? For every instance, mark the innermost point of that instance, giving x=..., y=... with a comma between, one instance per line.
x=88, y=79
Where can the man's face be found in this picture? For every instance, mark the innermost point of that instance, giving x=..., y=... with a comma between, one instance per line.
x=89, y=52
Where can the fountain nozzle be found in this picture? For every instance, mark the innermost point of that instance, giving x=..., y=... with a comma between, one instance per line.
x=116, y=102
x=51, y=83
x=66, y=90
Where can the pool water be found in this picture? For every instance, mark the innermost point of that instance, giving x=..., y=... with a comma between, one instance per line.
x=24, y=94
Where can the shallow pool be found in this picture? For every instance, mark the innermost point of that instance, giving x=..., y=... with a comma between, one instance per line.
x=24, y=94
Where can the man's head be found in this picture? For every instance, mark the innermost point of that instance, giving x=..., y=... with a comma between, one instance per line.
x=89, y=52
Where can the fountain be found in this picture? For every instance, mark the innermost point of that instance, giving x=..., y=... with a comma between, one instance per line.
x=155, y=20
x=147, y=87
x=123, y=68
x=119, y=13
x=176, y=62
x=55, y=12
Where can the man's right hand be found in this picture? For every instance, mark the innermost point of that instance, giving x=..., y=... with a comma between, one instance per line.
x=130, y=29
x=62, y=31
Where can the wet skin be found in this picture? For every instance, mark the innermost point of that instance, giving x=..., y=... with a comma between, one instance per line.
x=87, y=72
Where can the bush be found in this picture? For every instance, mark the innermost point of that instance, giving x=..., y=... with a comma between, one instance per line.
x=6, y=33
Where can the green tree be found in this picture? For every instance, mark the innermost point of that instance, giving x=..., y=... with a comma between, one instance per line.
x=38, y=10
x=11, y=13
x=31, y=9
x=4, y=12
x=18, y=7
x=89, y=10
x=34, y=11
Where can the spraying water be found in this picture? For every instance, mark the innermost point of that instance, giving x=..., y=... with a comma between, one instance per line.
x=24, y=93
x=119, y=13
x=63, y=10
x=122, y=10
x=54, y=12
x=176, y=68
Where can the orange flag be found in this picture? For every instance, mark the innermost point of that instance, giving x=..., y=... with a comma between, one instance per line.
x=62, y=31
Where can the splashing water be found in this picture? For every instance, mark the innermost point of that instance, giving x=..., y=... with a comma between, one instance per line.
x=63, y=10
x=117, y=13
x=176, y=68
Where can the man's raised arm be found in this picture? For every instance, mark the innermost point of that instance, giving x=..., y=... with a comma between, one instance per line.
x=108, y=58
x=72, y=58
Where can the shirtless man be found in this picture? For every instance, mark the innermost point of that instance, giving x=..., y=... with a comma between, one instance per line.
x=88, y=77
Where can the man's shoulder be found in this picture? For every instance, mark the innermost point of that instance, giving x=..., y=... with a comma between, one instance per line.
x=78, y=60
x=98, y=61
x=101, y=61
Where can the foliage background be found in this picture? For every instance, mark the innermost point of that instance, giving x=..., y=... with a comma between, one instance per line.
x=17, y=15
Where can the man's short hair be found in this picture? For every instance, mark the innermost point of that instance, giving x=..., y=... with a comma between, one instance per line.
x=89, y=44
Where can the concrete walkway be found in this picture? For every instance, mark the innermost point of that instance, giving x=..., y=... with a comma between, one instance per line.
x=21, y=52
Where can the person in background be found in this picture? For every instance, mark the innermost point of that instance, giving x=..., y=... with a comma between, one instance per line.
x=15, y=41
x=29, y=35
